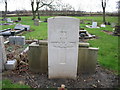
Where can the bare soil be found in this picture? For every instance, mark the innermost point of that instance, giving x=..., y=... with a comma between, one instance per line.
x=102, y=78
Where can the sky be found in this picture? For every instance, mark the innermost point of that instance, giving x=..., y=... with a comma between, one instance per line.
x=83, y=5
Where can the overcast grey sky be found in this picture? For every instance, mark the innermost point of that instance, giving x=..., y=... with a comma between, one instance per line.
x=84, y=5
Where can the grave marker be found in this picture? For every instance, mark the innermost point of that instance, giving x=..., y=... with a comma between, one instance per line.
x=63, y=39
x=9, y=20
x=94, y=24
x=36, y=22
x=17, y=40
x=3, y=58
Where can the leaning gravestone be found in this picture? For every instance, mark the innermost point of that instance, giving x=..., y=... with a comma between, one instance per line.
x=3, y=58
x=94, y=24
x=63, y=39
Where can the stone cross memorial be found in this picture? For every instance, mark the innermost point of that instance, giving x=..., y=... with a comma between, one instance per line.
x=63, y=39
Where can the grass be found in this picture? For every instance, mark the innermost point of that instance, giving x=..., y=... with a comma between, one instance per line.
x=108, y=44
x=8, y=84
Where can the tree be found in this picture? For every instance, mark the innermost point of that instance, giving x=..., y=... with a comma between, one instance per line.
x=39, y=4
x=5, y=9
x=103, y=2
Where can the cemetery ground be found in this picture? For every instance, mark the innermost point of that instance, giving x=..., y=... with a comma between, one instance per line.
x=107, y=67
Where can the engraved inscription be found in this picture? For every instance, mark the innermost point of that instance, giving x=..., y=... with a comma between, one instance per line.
x=62, y=41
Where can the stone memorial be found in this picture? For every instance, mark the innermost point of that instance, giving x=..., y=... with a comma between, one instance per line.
x=113, y=24
x=11, y=64
x=63, y=40
x=94, y=24
x=19, y=27
x=9, y=20
x=22, y=27
x=17, y=40
x=102, y=25
x=36, y=22
x=3, y=58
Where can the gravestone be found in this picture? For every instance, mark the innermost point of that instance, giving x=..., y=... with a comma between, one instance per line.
x=17, y=40
x=18, y=27
x=36, y=22
x=22, y=27
x=3, y=58
x=26, y=27
x=9, y=20
x=94, y=24
x=113, y=24
x=63, y=39
x=102, y=25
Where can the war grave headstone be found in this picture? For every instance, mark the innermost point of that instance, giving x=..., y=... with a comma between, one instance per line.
x=94, y=25
x=63, y=39
x=17, y=40
x=3, y=58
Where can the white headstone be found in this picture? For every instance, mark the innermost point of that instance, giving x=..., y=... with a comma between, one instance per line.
x=63, y=38
x=9, y=20
x=94, y=24
x=17, y=40
x=3, y=58
x=103, y=25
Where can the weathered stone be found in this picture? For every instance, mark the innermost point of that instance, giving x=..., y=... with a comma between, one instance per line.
x=38, y=57
x=3, y=58
x=87, y=60
x=19, y=27
x=22, y=27
x=17, y=40
x=11, y=65
x=36, y=22
x=63, y=39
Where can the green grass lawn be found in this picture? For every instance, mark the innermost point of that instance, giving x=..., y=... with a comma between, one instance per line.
x=108, y=44
x=8, y=84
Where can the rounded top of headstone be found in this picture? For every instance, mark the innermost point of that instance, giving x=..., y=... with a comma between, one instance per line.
x=65, y=17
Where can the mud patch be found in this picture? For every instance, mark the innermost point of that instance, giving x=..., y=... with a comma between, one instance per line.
x=108, y=32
